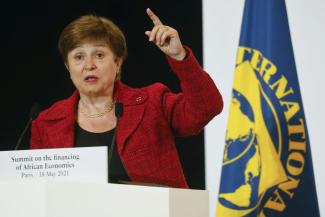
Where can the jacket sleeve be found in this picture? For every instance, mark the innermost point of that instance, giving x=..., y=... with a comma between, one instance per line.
x=200, y=100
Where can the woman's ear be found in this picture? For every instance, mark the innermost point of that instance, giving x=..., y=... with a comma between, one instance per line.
x=119, y=63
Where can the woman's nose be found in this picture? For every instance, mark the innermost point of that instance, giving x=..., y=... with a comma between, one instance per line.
x=90, y=64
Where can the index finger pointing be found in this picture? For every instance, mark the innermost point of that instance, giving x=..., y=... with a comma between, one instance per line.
x=153, y=17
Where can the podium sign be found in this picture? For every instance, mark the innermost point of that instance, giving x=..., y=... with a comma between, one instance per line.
x=69, y=164
x=72, y=182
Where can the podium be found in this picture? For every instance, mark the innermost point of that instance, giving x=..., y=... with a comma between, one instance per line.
x=76, y=199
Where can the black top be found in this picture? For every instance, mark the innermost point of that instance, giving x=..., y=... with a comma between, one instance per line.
x=85, y=138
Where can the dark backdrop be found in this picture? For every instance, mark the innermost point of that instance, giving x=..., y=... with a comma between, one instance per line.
x=32, y=70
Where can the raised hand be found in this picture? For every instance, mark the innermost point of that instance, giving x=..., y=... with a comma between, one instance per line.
x=166, y=38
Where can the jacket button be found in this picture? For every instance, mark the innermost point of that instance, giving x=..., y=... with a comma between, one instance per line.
x=138, y=99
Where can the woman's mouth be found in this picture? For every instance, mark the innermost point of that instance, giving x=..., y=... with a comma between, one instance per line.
x=91, y=79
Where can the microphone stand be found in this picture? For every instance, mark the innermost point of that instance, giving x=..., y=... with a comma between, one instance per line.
x=32, y=115
x=23, y=134
x=118, y=114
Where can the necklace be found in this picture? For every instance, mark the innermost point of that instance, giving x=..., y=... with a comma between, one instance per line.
x=108, y=108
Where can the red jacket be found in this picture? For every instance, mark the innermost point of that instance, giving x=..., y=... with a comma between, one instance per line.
x=152, y=117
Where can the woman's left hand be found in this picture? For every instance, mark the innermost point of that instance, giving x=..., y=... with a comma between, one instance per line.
x=166, y=38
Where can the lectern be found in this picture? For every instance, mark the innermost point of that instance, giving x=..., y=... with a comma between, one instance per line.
x=77, y=199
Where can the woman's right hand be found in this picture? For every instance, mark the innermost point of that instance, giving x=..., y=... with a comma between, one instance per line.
x=166, y=38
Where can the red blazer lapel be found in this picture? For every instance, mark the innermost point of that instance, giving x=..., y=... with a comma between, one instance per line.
x=60, y=123
x=133, y=101
x=61, y=133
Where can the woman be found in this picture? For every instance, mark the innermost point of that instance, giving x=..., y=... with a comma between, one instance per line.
x=93, y=49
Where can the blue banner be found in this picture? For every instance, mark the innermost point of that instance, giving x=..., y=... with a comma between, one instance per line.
x=267, y=165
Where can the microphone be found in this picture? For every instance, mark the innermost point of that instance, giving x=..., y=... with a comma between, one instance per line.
x=118, y=110
x=34, y=111
x=118, y=114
